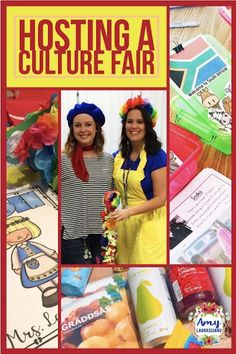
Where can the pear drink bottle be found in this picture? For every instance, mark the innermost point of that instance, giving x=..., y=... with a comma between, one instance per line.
x=221, y=277
x=153, y=307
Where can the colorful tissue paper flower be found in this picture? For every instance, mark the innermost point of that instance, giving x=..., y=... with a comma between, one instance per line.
x=34, y=142
x=43, y=132
x=111, y=200
x=21, y=152
x=110, y=224
x=42, y=160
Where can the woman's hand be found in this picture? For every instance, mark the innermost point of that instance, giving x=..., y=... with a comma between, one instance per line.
x=158, y=200
x=121, y=214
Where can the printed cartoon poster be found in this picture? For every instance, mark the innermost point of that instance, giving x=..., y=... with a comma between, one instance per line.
x=32, y=268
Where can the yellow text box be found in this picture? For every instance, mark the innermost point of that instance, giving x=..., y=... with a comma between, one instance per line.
x=83, y=46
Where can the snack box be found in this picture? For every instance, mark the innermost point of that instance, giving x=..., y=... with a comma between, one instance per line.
x=74, y=280
x=186, y=147
x=100, y=320
x=118, y=281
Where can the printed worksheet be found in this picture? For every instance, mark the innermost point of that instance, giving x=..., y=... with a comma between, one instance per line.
x=200, y=221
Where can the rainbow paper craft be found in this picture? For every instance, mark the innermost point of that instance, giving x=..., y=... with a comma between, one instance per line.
x=201, y=77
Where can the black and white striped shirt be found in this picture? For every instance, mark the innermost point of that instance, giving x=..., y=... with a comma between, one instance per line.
x=81, y=202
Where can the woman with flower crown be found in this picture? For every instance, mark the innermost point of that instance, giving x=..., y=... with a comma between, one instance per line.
x=140, y=178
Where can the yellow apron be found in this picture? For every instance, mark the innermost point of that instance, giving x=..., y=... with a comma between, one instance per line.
x=141, y=238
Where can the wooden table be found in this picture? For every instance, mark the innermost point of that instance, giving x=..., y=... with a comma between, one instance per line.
x=210, y=22
x=100, y=273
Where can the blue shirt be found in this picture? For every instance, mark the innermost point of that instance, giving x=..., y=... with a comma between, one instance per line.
x=154, y=162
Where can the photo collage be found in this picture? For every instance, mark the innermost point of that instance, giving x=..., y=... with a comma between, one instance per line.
x=118, y=231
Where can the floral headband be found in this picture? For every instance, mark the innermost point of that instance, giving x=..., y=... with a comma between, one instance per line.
x=139, y=102
x=16, y=222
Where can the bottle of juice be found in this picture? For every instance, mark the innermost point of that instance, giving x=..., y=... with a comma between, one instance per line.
x=221, y=277
x=190, y=286
x=153, y=307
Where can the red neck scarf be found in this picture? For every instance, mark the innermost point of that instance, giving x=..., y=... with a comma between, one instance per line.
x=78, y=164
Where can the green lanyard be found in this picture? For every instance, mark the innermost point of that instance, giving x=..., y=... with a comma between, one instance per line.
x=125, y=185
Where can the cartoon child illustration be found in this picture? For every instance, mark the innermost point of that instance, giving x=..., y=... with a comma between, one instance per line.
x=35, y=263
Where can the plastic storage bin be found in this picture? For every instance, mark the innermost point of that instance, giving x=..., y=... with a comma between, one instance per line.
x=208, y=131
x=201, y=76
x=187, y=147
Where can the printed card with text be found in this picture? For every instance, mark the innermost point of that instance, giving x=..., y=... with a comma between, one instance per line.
x=200, y=221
